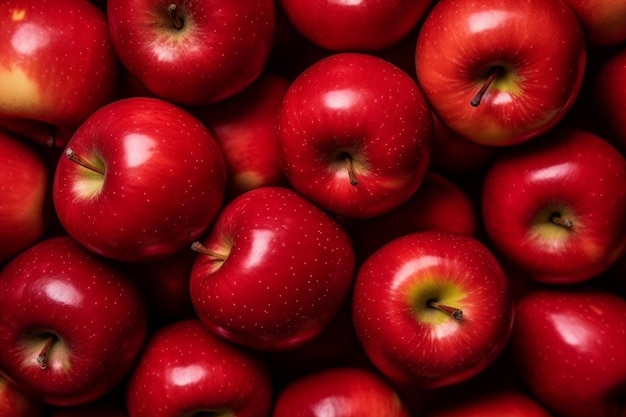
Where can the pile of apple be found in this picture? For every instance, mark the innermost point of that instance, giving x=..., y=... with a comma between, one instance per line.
x=288, y=208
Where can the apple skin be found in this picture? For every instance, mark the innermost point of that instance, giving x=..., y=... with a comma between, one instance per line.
x=16, y=403
x=569, y=346
x=539, y=78
x=609, y=87
x=340, y=392
x=370, y=25
x=602, y=20
x=498, y=403
x=221, y=49
x=186, y=369
x=245, y=128
x=569, y=173
x=40, y=81
x=334, y=113
x=23, y=196
x=287, y=271
x=394, y=286
x=94, y=311
x=163, y=184
x=438, y=204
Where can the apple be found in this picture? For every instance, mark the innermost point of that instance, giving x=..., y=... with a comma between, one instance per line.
x=245, y=128
x=340, y=392
x=58, y=67
x=193, y=52
x=369, y=26
x=187, y=370
x=16, y=403
x=72, y=323
x=498, y=403
x=555, y=207
x=354, y=147
x=141, y=180
x=609, y=86
x=23, y=192
x=445, y=304
x=511, y=69
x=602, y=20
x=438, y=204
x=569, y=346
x=273, y=271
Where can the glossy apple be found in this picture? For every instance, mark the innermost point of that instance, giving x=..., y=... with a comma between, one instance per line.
x=503, y=78
x=193, y=52
x=23, y=192
x=497, y=403
x=58, y=67
x=245, y=128
x=555, y=207
x=187, y=370
x=602, y=20
x=370, y=25
x=142, y=179
x=446, y=307
x=16, y=403
x=273, y=271
x=569, y=346
x=340, y=392
x=72, y=323
x=352, y=146
x=609, y=86
x=438, y=204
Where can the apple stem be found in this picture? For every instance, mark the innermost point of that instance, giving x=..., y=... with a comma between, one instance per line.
x=176, y=18
x=74, y=157
x=42, y=358
x=201, y=249
x=493, y=74
x=561, y=221
x=455, y=313
x=350, y=167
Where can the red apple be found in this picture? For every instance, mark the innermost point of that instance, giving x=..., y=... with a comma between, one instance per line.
x=193, y=51
x=500, y=72
x=273, y=271
x=370, y=25
x=58, y=67
x=498, y=403
x=23, y=191
x=339, y=392
x=432, y=308
x=72, y=323
x=555, y=207
x=602, y=20
x=569, y=346
x=354, y=147
x=142, y=179
x=186, y=370
x=245, y=128
x=438, y=204
x=16, y=403
x=609, y=88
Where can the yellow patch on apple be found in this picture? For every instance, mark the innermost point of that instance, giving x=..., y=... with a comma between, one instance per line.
x=18, y=15
x=434, y=289
x=20, y=95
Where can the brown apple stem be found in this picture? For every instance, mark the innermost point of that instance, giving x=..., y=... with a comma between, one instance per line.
x=177, y=19
x=203, y=250
x=350, y=167
x=74, y=157
x=493, y=74
x=561, y=221
x=42, y=358
x=453, y=312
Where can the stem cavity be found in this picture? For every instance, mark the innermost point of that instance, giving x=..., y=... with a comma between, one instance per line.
x=203, y=250
x=177, y=19
x=559, y=220
x=42, y=358
x=455, y=313
x=347, y=159
x=74, y=157
x=492, y=75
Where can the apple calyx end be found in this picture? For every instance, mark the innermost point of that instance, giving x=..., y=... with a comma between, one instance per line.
x=177, y=19
x=453, y=312
x=493, y=73
x=203, y=250
x=74, y=157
